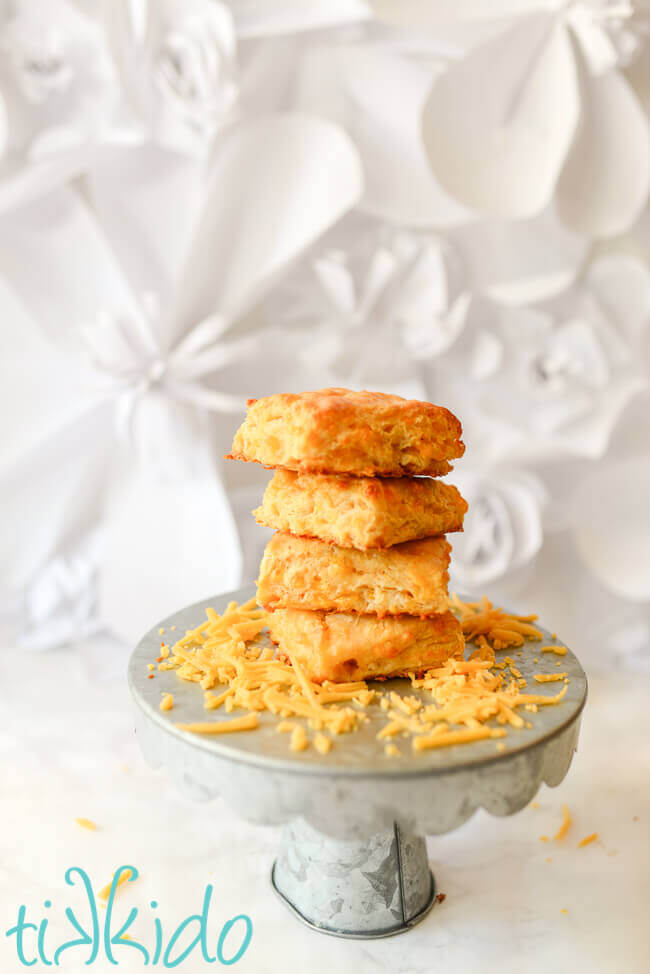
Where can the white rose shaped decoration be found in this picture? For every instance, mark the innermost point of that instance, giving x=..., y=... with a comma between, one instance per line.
x=503, y=526
x=58, y=95
x=612, y=527
x=178, y=66
x=567, y=371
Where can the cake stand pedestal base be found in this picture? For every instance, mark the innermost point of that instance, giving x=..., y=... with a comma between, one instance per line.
x=353, y=861
x=376, y=887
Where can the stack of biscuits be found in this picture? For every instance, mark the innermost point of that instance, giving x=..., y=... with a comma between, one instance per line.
x=356, y=575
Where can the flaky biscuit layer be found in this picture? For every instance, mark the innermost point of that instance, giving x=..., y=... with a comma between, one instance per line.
x=360, y=512
x=340, y=647
x=305, y=573
x=340, y=431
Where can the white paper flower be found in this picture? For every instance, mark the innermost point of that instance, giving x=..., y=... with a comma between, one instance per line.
x=520, y=261
x=56, y=80
x=607, y=631
x=540, y=109
x=177, y=61
x=376, y=301
x=269, y=18
x=120, y=435
x=611, y=524
x=376, y=88
x=57, y=94
x=377, y=95
x=60, y=603
x=503, y=526
x=565, y=372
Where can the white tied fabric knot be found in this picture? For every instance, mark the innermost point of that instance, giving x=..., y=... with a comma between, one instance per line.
x=159, y=368
x=130, y=359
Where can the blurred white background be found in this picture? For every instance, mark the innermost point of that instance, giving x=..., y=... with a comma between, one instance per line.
x=202, y=202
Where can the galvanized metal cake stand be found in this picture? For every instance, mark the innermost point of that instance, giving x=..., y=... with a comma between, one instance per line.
x=353, y=860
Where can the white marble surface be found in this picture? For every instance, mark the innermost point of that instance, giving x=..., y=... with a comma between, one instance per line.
x=67, y=750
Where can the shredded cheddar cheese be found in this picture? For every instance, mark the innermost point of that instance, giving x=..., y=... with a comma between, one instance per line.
x=224, y=657
x=456, y=737
x=558, y=650
x=219, y=651
x=104, y=893
x=286, y=726
x=86, y=823
x=588, y=839
x=499, y=629
x=322, y=743
x=211, y=702
x=566, y=823
x=298, y=738
x=249, y=722
x=549, y=677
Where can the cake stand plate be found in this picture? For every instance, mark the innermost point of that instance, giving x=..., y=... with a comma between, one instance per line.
x=353, y=859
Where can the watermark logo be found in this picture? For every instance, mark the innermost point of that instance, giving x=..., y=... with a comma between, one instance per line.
x=96, y=940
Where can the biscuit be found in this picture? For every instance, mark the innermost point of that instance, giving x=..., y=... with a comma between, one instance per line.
x=360, y=512
x=343, y=647
x=304, y=573
x=340, y=431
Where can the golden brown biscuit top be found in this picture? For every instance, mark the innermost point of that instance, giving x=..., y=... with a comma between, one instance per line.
x=342, y=431
x=340, y=403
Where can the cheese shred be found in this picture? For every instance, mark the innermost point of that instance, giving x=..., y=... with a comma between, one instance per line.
x=456, y=737
x=588, y=839
x=225, y=658
x=299, y=740
x=322, y=743
x=86, y=823
x=566, y=823
x=499, y=629
x=249, y=722
x=106, y=891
